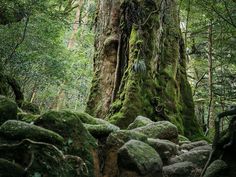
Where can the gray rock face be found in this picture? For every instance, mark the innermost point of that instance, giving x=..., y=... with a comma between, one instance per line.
x=182, y=169
x=198, y=157
x=140, y=157
x=8, y=109
x=140, y=121
x=161, y=130
x=192, y=145
x=216, y=169
x=165, y=148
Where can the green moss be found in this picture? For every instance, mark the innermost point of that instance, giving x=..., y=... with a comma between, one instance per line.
x=100, y=130
x=133, y=157
x=139, y=122
x=119, y=138
x=182, y=138
x=192, y=127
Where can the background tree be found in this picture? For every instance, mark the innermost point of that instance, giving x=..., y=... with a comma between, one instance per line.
x=211, y=53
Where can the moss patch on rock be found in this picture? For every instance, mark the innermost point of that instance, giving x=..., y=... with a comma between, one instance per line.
x=161, y=129
x=15, y=130
x=139, y=122
x=140, y=157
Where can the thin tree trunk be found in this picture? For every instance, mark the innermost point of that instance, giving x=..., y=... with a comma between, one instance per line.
x=186, y=29
x=210, y=121
x=33, y=94
x=72, y=39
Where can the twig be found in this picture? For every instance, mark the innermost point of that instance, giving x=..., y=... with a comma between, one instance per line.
x=199, y=80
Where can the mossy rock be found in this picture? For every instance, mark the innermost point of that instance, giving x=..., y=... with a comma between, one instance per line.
x=216, y=169
x=189, y=146
x=165, y=148
x=161, y=130
x=8, y=109
x=181, y=169
x=120, y=137
x=198, y=157
x=10, y=169
x=101, y=130
x=97, y=127
x=29, y=107
x=183, y=138
x=139, y=121
x=18, y=130
x=78, y=141
x=139, y=157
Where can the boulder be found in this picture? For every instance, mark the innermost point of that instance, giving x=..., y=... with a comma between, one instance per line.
x=120, y=137
x=78, y=141
x=183, y=138
x=216, y=169
x=18, y=130
x=181, y=169
x=8, y=109
x=99, y=128
x=114, y=142
x=24, y=146
x=139, y=157
x=192, y=145
x=198, y=157
x=165, y=148
x=161, y=130
x=139, y=121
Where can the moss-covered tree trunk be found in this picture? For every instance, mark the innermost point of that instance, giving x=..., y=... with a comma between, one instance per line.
x=140, y=65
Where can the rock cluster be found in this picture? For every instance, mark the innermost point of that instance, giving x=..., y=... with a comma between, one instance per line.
x=69, y=144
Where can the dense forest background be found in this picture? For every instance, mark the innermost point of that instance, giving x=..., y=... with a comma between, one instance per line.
x=48, y=47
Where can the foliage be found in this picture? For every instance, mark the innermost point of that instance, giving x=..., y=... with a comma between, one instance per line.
x=34, y=51
x=196, y=16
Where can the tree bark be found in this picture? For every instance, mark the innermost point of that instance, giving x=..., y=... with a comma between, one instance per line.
x=140, y=65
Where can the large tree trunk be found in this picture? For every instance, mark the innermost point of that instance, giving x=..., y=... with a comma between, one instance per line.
x=140, y=65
